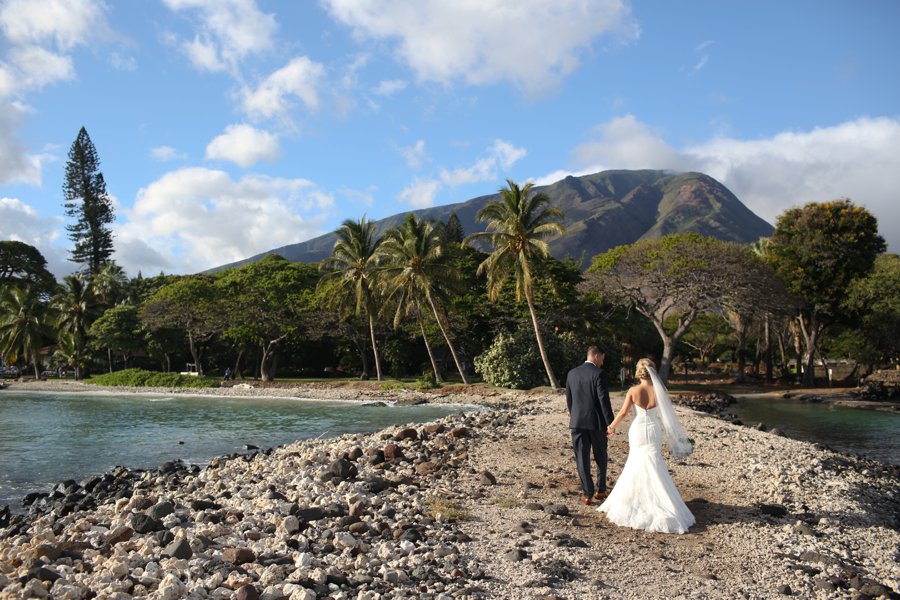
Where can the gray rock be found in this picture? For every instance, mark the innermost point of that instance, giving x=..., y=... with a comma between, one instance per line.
x=238, y=556
x=143, y=523
x=160, y=510
x=785, y=590
x=247, y=592
x=515, y=555
x=180, y=548
x=487, y=478
x=556, y=509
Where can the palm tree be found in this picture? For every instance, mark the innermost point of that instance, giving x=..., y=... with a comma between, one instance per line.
x=417, y=271
x=109, y=283
x=518, y=225
x=352, y=267
x=21, y=325
x=73, y=309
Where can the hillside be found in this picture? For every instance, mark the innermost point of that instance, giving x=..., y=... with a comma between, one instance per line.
x=602, y=211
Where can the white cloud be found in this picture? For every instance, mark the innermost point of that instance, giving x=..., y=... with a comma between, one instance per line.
x=40, y=34
x=201, y=218
x=243, y=145
x=122, y=62
x=858, y=159
x=299, y=78
x=227, y=31
x=63, y=23
x=22, y=223
x=530, y=43
x=414, y=155
x=16, y=165
x=166, y=153
x=389, y=87
x=501, y=154
x=420, y=193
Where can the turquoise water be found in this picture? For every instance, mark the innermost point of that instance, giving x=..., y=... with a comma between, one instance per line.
x=47, y=437
x=869, y=433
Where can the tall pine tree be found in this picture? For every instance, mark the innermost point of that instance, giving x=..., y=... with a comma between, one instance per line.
x=88, y=202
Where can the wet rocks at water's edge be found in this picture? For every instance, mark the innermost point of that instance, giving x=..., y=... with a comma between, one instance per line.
x=344, y=518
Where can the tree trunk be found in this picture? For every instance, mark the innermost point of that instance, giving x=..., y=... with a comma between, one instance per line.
x=437, y=374
x=109, y=358
x=811, y=339
x=440, y=323
x=237, y=365
x=540, y=341
x=194, y=354
x=770, y=366
x=375, y=347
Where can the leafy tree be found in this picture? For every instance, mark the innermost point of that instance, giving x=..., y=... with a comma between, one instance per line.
x=512, y=362
x=119, y=330
x=267, y=302
x=352, y=267
x=818, y=251
x=190, y=304
x=708, y=336
x=22, y=325
x=518, y=225
x=74, y=308
x=875, y=301
x=418, y=272
x=89, y=204
x=23, y=264
x=675, y=277
x=110, y=283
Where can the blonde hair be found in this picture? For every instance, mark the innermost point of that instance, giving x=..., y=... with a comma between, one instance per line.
x=641, y=371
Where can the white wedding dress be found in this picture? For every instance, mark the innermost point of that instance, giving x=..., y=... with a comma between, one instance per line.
x=645, y=497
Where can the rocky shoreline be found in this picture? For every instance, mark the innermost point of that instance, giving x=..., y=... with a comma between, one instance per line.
x=478, y=504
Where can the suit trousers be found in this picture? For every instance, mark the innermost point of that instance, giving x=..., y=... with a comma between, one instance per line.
x=586, y=442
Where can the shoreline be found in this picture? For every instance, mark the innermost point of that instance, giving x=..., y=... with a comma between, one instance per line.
x=480, y=504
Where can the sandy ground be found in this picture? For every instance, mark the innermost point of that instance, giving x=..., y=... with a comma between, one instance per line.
x=832, y=531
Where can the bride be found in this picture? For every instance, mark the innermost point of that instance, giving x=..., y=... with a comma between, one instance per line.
x=645, y=497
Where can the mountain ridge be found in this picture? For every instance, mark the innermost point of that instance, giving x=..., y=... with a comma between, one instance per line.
x=602, y=210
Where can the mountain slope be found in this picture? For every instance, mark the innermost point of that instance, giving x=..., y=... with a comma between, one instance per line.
x=602, y=211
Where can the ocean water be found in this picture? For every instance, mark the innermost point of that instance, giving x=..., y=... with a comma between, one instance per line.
x=864, y=432
x=48, y=437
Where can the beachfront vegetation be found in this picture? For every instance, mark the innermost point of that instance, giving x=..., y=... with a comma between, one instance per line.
x=424, y=304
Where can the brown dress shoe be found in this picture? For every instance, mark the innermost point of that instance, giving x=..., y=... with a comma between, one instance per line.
x=600, y=495
x=585, y=500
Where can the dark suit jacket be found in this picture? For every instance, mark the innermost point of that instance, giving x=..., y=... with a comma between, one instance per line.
x=587, y=397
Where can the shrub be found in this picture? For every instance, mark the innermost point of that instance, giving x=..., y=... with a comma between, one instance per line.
x=142, y=378
x=513, y=360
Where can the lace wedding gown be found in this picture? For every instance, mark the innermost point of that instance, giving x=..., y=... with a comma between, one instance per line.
x=645, y=497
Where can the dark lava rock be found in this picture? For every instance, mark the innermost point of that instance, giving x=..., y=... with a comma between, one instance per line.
x=161, y=509
x=238, y=556
x=180, y=548
x=487, y=478
x=247, y=592
x=143, y=523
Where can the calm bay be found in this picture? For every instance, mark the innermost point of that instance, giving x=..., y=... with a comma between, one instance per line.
x=48, y=437
x=868, y=433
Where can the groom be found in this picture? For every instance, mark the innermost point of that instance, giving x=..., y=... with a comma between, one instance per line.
x=590, y=413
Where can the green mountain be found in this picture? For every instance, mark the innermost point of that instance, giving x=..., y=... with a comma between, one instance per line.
x=602, y=211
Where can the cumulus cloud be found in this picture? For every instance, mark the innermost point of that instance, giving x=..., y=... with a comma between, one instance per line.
x=16, y=165
x=227, y=31
x=420, y=193
x=300, y=78
x=243, y=145
x=389, y=87
x=414, y=155
x=166, y=153
x=62, y=23
x=533, y=44
x=22, y=223
x=859, y=159
x=41, y=33
x=501, y=154
x=200, y=218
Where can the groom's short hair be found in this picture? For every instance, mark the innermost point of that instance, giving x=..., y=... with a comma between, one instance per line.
x=594, y=351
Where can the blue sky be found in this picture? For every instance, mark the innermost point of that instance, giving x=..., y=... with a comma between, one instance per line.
x=229, y=127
